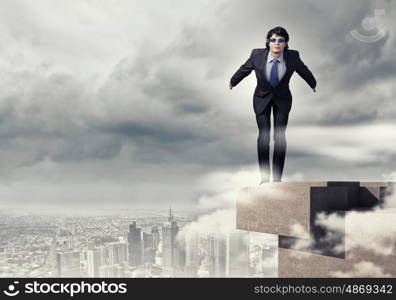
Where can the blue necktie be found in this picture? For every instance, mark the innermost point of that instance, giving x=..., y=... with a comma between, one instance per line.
x=274, y=77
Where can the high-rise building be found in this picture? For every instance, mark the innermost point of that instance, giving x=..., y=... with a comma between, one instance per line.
x=211, y=261
x=116, y=253
x=104, y=258
x=148, y=248
x=192, y=256
x=134, y=245
x=94, y=262
x=180, y=256
x=52, y=257
x=169, y=233
x=156, y=237
x=119, y=270
x=68, y=264
x=220, y=256
x=64, y=240
x=210, y=254
x=91, y=244
x=237, y=254
x=108, y=271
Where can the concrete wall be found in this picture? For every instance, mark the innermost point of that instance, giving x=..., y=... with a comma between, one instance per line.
x=326, y=229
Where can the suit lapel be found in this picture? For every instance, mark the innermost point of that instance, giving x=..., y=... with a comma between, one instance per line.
x=263, y=65
x=287, y=62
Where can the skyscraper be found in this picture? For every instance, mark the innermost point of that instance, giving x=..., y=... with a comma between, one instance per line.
x=169, y=232
x=94, y=262
x=52, y=257
x=108, y=271
x=210, y=254
x=68, y=264
x=134, y=245
x=116, y=253
x=220, y=256
x=156, y=237
x=192, y=258
x=238, y=254
x=180, y=256
x=148, y=249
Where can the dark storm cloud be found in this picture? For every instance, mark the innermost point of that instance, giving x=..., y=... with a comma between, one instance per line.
x=361, y=65
x=168, y=85
x=157, y=78
x=163, y=102
x=139, y=130
x=171, y=77
x=352, y=66
x=195, y=42
x=321, y=31
x=348, y=116
x=295, y=154
x=156, y=143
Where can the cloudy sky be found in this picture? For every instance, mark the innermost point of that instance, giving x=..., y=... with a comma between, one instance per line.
x=126, y=103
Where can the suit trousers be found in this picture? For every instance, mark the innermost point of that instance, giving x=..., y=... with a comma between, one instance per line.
x=263, y=142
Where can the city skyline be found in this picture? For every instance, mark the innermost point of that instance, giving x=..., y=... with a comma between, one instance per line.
x=98, y=247
x=96, y=113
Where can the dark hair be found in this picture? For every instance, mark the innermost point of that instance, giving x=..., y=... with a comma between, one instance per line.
x=278, y=30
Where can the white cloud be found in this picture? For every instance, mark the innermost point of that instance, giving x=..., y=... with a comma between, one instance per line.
x=374, y=231
x=362, y=269
x=222, y=188
x=376, y=226
x=356, y=144
x=220, y=222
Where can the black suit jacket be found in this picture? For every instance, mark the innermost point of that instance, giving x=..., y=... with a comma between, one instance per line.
x=264, y=92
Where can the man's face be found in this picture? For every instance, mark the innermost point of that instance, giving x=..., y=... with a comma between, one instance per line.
x=275, y=43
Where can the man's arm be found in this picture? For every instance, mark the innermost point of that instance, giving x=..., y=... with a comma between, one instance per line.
x=242, y=72
x=305, y=73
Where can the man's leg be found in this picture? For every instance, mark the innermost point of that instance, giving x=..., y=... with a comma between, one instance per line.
x=263, y=142
x=280, y=123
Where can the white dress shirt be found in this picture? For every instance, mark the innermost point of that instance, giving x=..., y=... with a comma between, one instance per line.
x=281, y=67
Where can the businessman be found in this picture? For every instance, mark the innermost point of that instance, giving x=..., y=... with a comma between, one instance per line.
x=273, y=65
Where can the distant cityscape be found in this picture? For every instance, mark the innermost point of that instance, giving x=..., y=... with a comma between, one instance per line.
x=148, y=245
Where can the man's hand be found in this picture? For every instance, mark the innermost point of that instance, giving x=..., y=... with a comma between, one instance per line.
x=231, y=86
